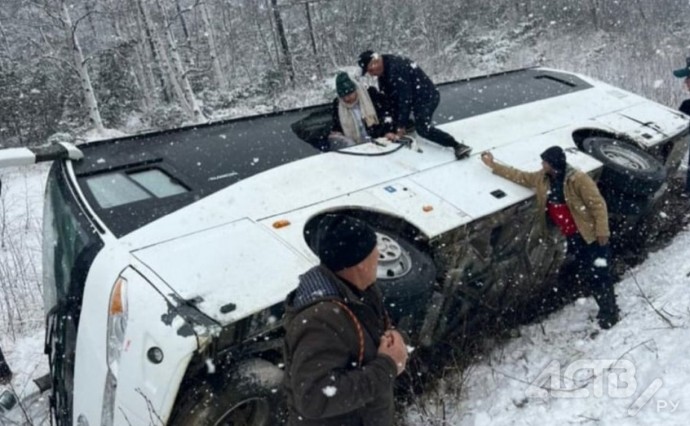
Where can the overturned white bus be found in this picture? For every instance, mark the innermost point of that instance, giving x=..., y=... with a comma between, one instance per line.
x=167, y=256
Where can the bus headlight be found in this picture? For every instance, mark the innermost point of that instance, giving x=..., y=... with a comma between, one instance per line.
x=117, y=324
x=115, y=337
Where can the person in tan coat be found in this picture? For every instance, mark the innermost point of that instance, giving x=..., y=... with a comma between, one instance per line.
x=571, y=201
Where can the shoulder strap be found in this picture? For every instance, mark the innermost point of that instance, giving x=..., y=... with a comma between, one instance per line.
x=358, y=328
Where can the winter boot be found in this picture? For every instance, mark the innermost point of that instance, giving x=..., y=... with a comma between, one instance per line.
x=462, y=151
x=608, y=320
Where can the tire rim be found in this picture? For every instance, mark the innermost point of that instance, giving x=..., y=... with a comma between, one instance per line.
x=394, y=261
x=250, y=412
x=625, y=157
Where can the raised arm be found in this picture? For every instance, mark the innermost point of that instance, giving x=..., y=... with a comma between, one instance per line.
x=527, y=179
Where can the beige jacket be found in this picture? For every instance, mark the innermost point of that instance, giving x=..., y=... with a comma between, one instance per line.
x=582, y=196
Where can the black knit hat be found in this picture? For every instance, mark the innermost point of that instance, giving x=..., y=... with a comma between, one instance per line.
x=364, y=59
x=555, y=157
x=344, y=85
x=341, y=241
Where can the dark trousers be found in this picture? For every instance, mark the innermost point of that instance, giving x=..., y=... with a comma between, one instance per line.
x=687, y=178
x=592, y=269
x=423, y=113
x=685, y=108
x=5, y=372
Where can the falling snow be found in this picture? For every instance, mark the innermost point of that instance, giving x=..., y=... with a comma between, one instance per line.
x=600, y=262
x=329, y=391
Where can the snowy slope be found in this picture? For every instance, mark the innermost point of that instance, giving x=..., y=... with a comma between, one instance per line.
x=636, y=373
x=21, y=303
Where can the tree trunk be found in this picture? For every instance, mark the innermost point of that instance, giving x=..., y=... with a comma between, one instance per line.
x=218, y=74
x=167, y=72
x=256, y=16
x=5, y=372
x=6, y=44
x=89, y=6
x=182, y=21
x=146, y=37
x=593, y=12
x=313, y=42
x=146, y=80
x=82, y=68
x=145, y=85
x=229, y=42
x=329, y=39
x=286, y=57
x=179, y=72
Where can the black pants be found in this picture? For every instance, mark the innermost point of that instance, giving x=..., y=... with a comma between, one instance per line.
x=423, y=113
x=592, y=269
x=687, y=178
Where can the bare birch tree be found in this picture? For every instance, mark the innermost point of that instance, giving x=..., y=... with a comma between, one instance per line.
x=167, y=72
x=219, y=76
x=179, y=72
x=180, y=15
x=313, y=39
x=148, y=52
x=255, y=16
x=286, y=56
x=118, y=12
x=5, y=42
x=81, y=65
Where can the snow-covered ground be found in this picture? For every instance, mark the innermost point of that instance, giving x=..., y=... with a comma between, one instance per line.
x=25, y=357
x=21, y=303
x=565, y=370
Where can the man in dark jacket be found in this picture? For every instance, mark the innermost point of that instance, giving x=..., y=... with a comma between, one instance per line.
x=685, y=109
x=341, y=356
x=410, y=91
x=572, y=201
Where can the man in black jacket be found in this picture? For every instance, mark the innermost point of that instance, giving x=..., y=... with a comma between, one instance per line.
x=341, y=356
x=410, y=91
x=685, y=109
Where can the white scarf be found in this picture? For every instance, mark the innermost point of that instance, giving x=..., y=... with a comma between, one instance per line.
x=347, y=116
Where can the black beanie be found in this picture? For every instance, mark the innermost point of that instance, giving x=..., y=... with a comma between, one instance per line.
x=342, y=241
x=344, y=85
x=555, y=157
x=364, y=59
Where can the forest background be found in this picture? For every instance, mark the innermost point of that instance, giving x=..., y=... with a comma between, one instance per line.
x=69, y=69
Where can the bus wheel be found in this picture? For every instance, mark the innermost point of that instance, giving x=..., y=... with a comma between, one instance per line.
x=249, y=394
